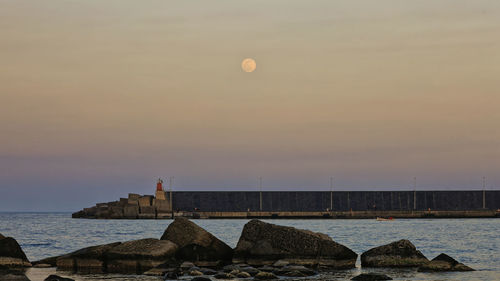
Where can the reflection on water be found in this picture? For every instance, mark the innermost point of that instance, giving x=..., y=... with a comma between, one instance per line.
x=474, y=242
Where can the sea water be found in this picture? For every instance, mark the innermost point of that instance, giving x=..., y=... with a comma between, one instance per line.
x=474, y=242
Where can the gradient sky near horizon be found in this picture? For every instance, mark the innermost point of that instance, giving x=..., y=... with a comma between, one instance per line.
x=100, y=98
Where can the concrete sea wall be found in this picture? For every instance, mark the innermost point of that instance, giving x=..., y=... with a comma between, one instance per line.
x=300, y=204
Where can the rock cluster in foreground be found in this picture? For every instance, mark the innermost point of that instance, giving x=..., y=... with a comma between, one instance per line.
x=401, y=253
x=443, y=262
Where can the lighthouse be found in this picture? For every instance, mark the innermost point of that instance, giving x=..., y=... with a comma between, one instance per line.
x=160, y=193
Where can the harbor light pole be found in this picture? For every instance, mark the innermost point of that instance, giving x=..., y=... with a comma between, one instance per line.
x=484, y=192
x=414, y=193
x=260, y=193
x=331, y=194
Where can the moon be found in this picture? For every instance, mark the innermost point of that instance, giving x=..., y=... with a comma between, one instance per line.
x=248, y=65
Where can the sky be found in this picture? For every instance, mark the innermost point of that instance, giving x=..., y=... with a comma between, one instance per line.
x=100, y=98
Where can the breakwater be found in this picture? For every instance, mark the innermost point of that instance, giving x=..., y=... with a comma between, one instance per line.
x=291, y=204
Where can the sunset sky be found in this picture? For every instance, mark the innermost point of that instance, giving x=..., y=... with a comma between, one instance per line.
x=100, y=98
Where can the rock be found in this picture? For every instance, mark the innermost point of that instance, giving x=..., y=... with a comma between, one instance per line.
x=267, y=268
x=187, y=265
x=401, y=253
x=287, y=270
x=1, y=236
x=371, y=277
x=195, y=243
x=195, y=273
x=7, y=274
x=264, y=243
x=444, y=262
x=157, y=271
x=250, y=270
x=263, y=275
x=57, y=278
x=243, y=274
x=201, y=279
x=138, y=256
x=224, y=276
x=42, y=265
x=234, y=272
x=208, y=271
x=11, y=254
x=52, y=261
x=294, y=273
x=281, y=263
x=86, y=260
x=173, y=275
x=231, y=267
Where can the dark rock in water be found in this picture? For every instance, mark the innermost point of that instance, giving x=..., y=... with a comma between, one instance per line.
x=86, y=260
x=7, y=274
x=11, y=254
x=264, y=243
x=371, y=277
x=201, y=278
x=267, y=268
x=195, y=243
x=172, y=275
x=224, y=276
x=57, y=278
x=294, y=273
x=287, y=270
x=263, y=275
x=1, y=236
x=231, y=267
x=208, y=271
x=444, y=262
x=243, y=274
x=52, y=261
x=401, y=253
x=250, y=270
x=139, y=255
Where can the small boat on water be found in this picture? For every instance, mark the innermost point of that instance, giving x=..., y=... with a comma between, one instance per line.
x=385, y=219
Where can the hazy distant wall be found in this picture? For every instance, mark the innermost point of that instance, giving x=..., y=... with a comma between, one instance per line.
x=342, y=200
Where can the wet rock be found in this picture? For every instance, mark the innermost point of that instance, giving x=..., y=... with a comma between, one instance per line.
x=294, y=273
x=42, y=265
x=186, y=265
x=250, y=270
x=444, y=262
x=52, y=261
x=57, y=278
x=86, y=260
x=173, y=275
x=264, y=243
x=208, y=271
x=195, y=273
x=263, y=275
x=234, y=272
x=281, y=263
x=195, y=243
x=231, y=267
x=224, y=276
x=401, y=253
x=200, y=278
x=7, y=274
x=139, y=256
x=371, y=277
x=243, y=274
x=267, y=268
x=11, y=254
x=287, y=270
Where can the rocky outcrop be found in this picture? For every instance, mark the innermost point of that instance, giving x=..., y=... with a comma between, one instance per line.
x=57, y=278
x=139, y=256
x=443, y=262
x=7, y=274
x=51, y=262
x=196, y=244
x=371, y=277
x=264, y=243
x=11, y=254
x=129, y=257
x=401, y=253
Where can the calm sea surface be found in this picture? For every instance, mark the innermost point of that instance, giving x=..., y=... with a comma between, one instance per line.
x=475, y=242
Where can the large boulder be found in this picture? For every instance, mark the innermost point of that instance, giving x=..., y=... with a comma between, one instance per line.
x=86, y=260
x=401, y=253
x=264, y=243
x=7, y=274
x=11, y=254
x=139, y=256
x=443, y=262
x=196, y=244
x=371, y=277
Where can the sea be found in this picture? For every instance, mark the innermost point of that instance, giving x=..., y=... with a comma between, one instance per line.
x=474, y=242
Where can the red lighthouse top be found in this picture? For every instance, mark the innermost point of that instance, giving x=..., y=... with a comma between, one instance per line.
x=159, y=186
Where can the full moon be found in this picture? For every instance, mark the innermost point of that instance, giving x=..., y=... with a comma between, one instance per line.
x=248, y=65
